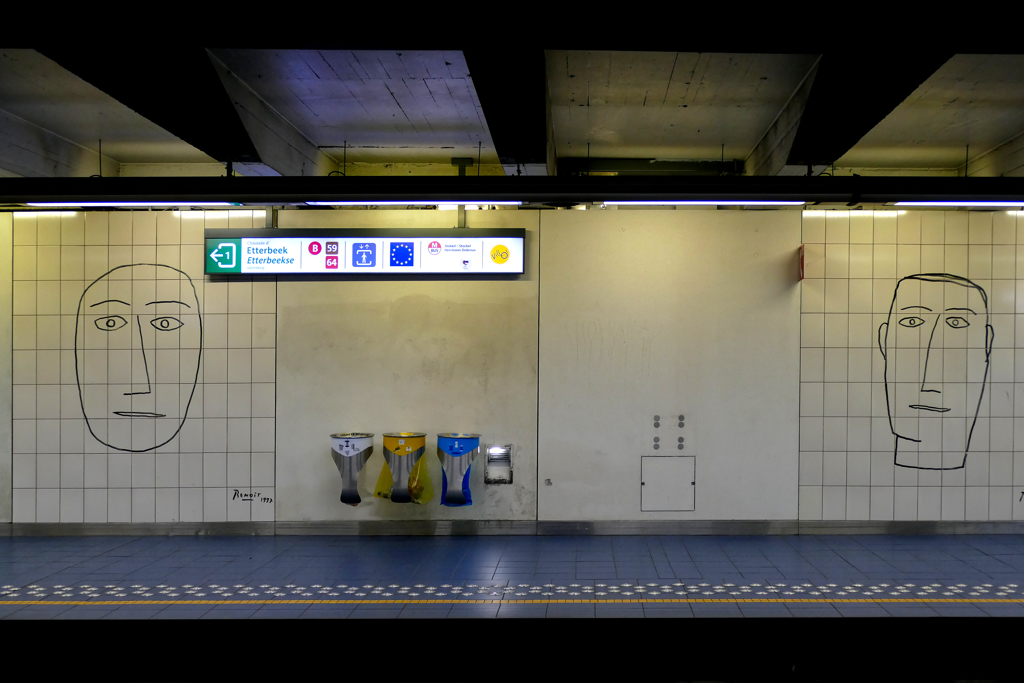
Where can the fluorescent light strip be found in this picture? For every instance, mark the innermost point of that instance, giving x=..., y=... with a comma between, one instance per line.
x=57, y=205
x=960, y=203
x=431, y=202
x=706, y=202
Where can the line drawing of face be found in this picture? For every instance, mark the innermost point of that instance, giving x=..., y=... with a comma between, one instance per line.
x=138, y=345
x=936, y=343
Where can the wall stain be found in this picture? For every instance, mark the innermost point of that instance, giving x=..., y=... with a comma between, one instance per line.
x=602, y=345
x=425, y=343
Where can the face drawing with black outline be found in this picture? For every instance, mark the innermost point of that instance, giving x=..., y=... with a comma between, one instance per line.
x=936, y=344
x=138, y=342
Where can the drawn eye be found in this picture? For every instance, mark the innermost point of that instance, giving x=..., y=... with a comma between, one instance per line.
x=956, y=322
x=110, y=323
x=912, y=321
x=166, y=324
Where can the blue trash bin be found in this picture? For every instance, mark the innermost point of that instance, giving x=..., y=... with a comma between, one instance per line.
x=457, y=451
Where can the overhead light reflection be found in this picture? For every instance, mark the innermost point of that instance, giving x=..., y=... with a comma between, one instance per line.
x=954, y=202
x=704, y=202
x=87, y=205
x=430, y=202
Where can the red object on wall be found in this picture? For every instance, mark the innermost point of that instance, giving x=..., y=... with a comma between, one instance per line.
x=801, y=253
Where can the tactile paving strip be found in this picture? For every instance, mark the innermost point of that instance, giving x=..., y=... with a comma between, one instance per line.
x=548, y=592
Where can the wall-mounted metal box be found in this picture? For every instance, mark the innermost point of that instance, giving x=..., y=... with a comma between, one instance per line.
x=499, y=464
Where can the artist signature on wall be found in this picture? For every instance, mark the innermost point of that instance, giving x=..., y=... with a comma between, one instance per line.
x=251, y=497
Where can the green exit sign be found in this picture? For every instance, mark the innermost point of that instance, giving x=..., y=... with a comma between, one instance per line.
x=223, y=256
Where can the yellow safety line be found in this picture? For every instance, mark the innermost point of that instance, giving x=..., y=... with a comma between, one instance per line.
x=586, y=601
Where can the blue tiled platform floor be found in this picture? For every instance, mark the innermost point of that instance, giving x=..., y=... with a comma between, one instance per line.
x=510, y=576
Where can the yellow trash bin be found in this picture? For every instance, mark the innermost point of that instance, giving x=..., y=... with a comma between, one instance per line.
x=401, y=451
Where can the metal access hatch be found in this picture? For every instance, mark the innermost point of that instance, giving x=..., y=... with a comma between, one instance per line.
x=667, y=483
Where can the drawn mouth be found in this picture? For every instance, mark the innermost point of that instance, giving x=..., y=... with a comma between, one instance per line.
x=931, y=408
x=136, y=413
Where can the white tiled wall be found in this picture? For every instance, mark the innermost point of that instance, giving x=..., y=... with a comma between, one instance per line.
x=853, y=261
x=6, y=231
x=61, y=472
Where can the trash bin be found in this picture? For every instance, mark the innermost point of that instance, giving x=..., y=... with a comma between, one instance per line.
x=350, y=451
x=401, y=451
x=457, y=451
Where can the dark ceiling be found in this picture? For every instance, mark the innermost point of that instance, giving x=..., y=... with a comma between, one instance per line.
x=584, y=105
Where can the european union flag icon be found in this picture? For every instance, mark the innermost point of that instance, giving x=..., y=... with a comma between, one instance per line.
x=364, y=255
x=402, y=253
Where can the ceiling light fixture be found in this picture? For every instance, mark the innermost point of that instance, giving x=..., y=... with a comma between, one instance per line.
x=704, y=202
x=961, y=203
x=417, y=202
x=59, y=205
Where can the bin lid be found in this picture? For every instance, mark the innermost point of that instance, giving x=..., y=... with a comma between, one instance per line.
x=458, y=435
x=352, y=435
x=404, y=435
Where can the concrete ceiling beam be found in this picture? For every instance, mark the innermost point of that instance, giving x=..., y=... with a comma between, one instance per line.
x=172, y=170
x=33, y=152
x=771, y=154
x=851, y=94
x=826, y=115
x=1005, y=160
x=518, y=118
x=282, y=148
x=174, y=87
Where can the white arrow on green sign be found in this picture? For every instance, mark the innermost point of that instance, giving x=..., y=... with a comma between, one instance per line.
x=222, y=256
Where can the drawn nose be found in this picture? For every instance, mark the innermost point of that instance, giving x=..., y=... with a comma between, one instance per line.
x=140, y=365
x=931, y=363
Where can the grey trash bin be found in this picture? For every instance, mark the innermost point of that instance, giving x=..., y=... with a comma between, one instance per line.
x=350, y=451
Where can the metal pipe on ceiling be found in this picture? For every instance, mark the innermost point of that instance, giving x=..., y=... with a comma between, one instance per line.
x=277, y=191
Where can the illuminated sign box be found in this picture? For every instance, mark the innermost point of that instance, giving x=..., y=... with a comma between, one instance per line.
x=354, y=252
